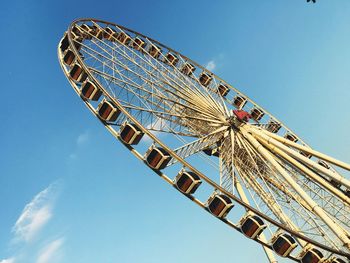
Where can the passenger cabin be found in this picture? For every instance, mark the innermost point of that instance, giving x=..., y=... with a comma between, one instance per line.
x=171, y=59
x=97, y=32
x=77, y=73
x=138, y=43
x=283, y=244
x=337, y=260
x=239, y=102
x=212, y=152
x=124, y=38
x=307, y=155
x=110, y=34
x=87, y=31
x=324, y=164
x=311, y=256
x=154, y=51
x=76, y=36
x=107, y=111
x=90, y=92
x=219, y=205
x=223, y=90
x=64, y=43
x=335, y=183
x=347, y=193
x=77, y=30
x=157, y=158
x=187, y=182
x=205, y=79
x=252, y=226
x=257, y=114
x=77, y=43
x=187, y=69
x=273, y=126
x=291, y=137
x=130, y=133
x=68, y=57
x=81, y=55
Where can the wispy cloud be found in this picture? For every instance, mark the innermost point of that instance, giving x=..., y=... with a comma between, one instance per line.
x=155, y=126
x=83, y=138
x=8, y=260
x=73, y=156
x=50, y=251
x=211, y=65
x=34, y=216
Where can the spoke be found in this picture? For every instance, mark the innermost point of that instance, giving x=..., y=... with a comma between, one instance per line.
x=315, y=207
x=309, y=151
x=333, y=175
x=198, y=145
x=161, y=75
x=226, y=151
x=161, y=97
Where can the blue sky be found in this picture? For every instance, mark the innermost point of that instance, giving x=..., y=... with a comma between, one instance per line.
x=71, y=193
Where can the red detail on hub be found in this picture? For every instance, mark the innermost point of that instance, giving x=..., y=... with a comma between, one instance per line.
x=242, y=115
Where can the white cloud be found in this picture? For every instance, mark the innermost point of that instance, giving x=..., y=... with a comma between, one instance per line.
x=50, y=252
x=73, y=156
x=83, y=138
x=8, y=260
x=156, y=125
x=211, y=65
x=34, y=216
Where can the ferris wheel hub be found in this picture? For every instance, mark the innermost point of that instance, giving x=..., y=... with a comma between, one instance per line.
x=238, y=118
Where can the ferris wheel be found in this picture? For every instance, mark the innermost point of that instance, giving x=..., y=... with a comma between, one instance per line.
x=212, y=143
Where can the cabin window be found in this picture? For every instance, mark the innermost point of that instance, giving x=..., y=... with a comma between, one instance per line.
x=284, y=245
x=239, y=102
x=205, y=79
x=188, y=69
x=138, y=43
x=124, y=38
x=323, y=164
x=110, y=34
x=131, y=134
x=307, y=155
x=78, y=31
x=107, y=111
x=90, y=91
x=219, y=205
x=158, y=158
x=68, y=57
x=252, y=226
x=171, y=59
x=223, y=90
x=312, y=256
x=291, y=137
x=87, y=31
x=338, y=260
x=154, y=51
x=77, y=73
x=256, y=114
x=187, y=182
x=96, y=31
x=273, y=126
x=64, y=43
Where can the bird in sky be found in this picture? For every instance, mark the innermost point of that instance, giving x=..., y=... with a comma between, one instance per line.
x=314, y=1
